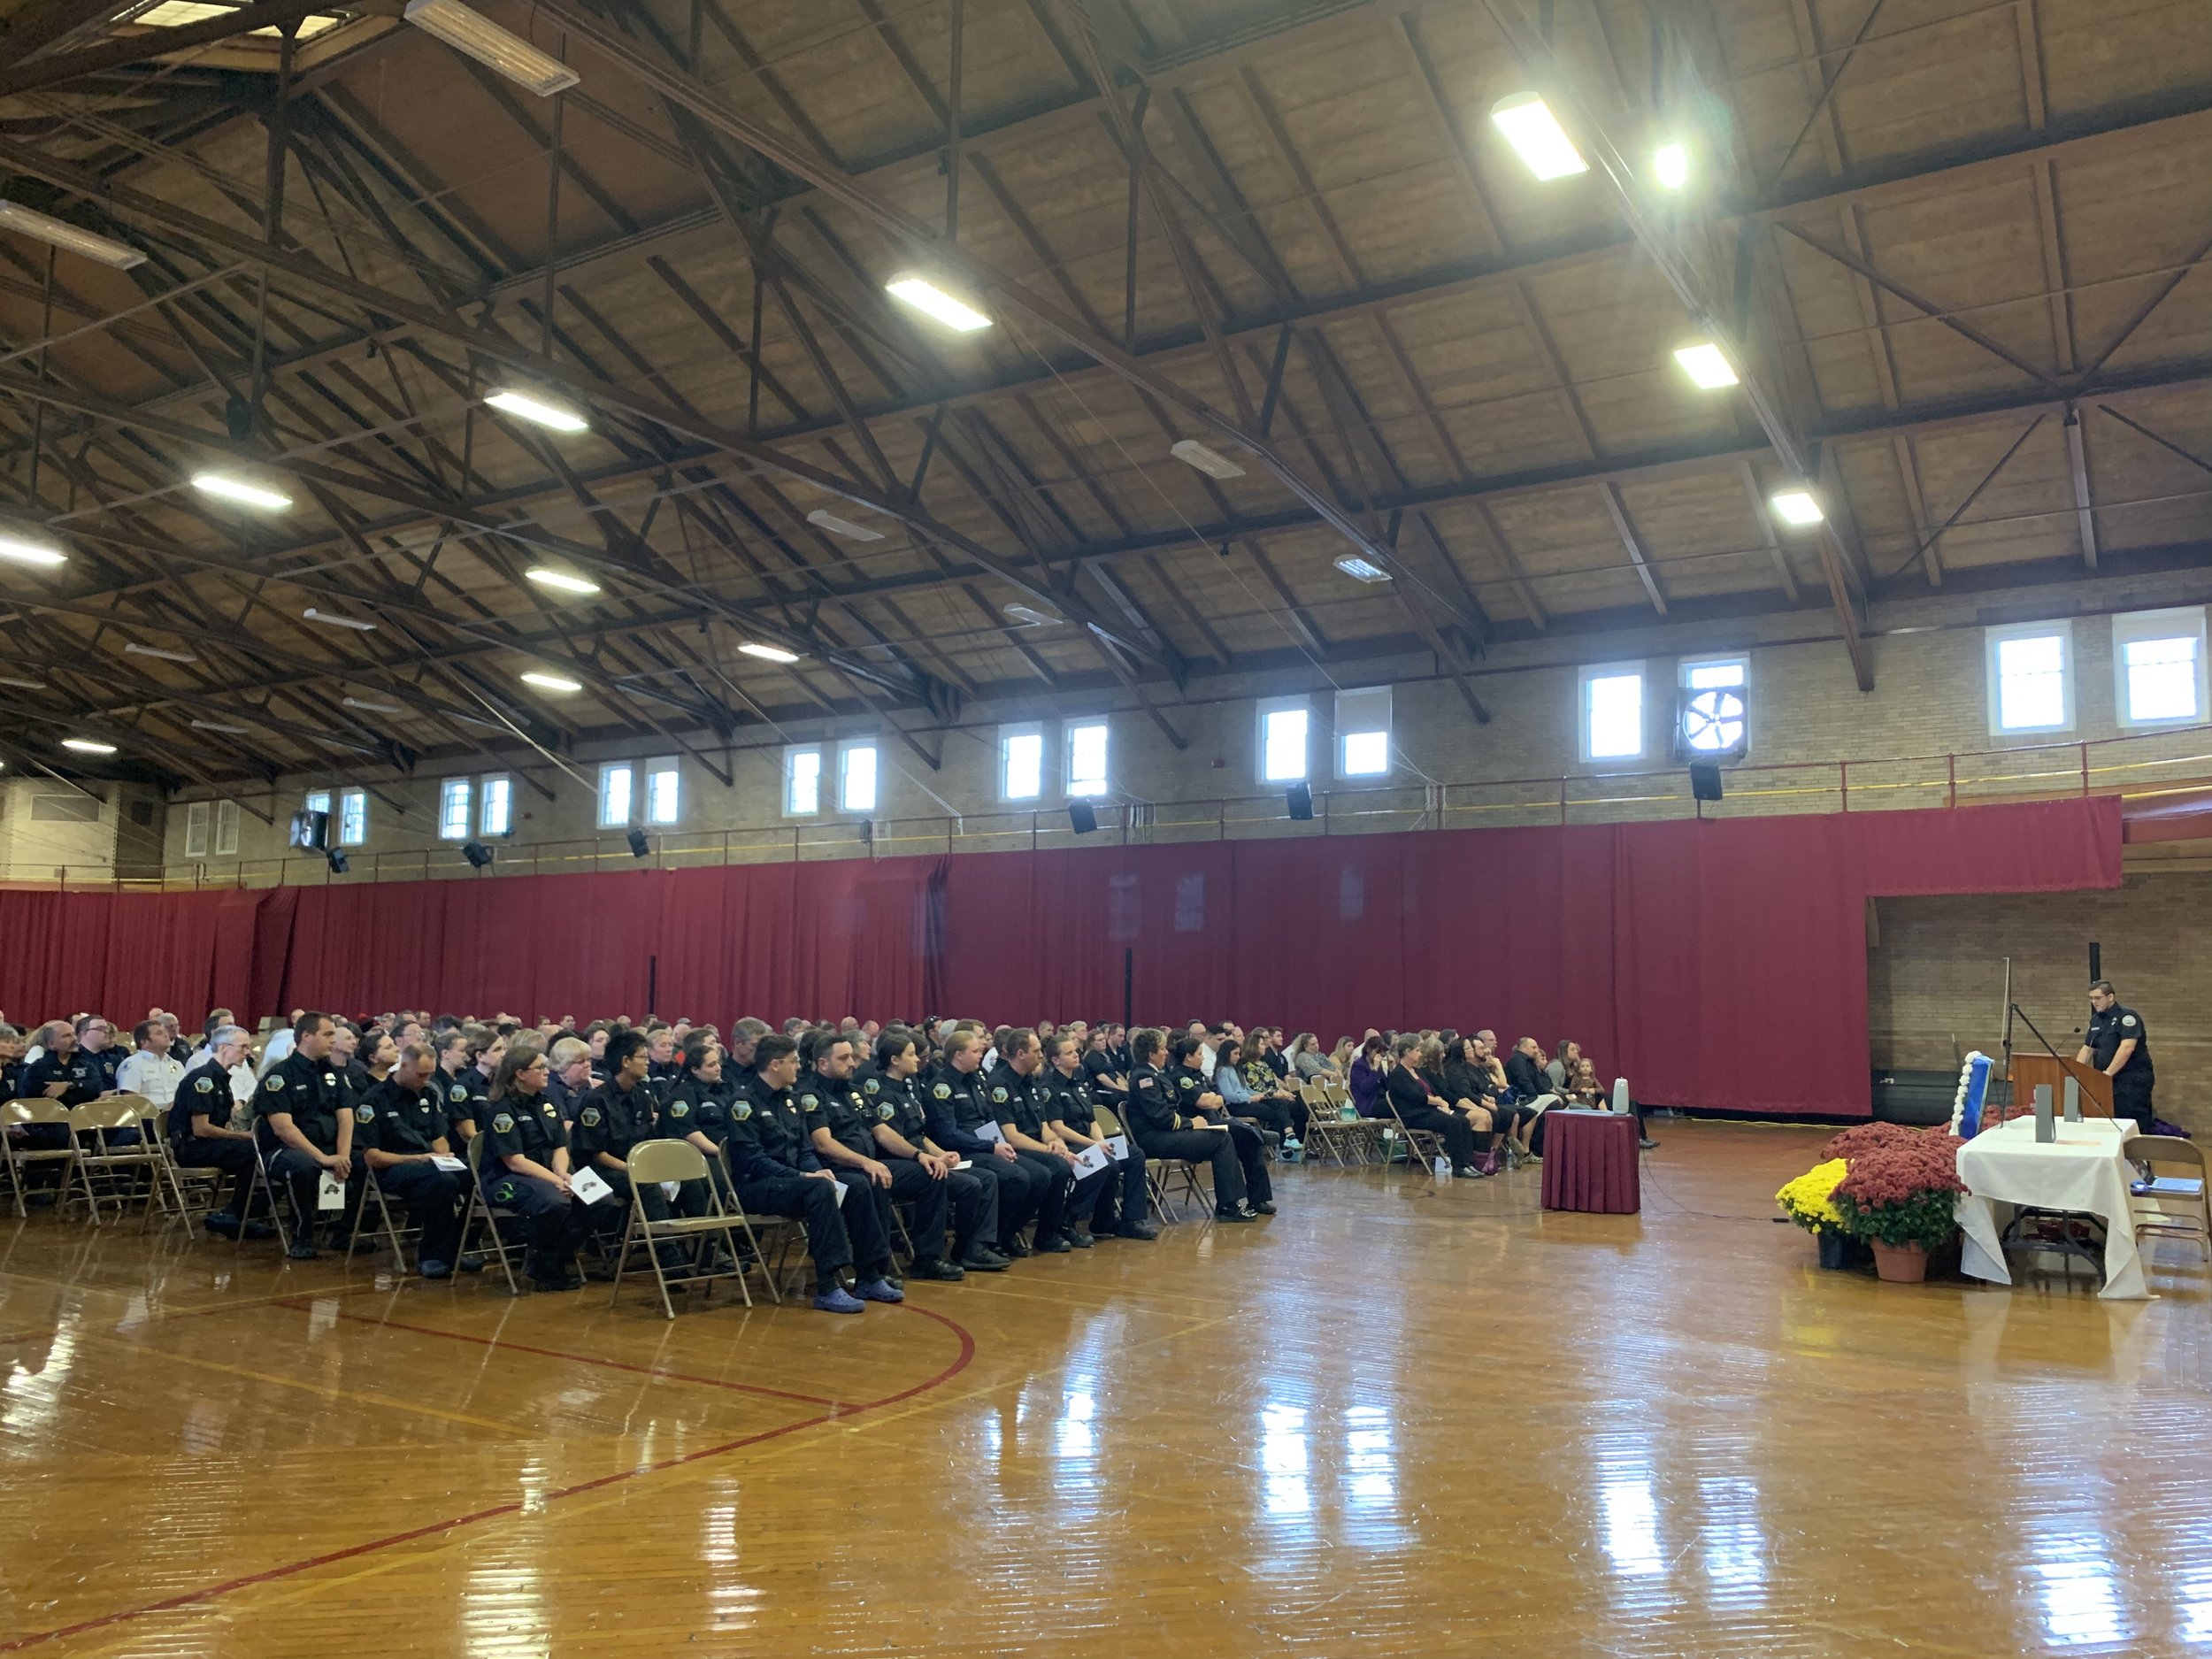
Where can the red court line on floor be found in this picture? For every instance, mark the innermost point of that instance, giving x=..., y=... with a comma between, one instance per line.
x=193, y=1598
x=836, y=1406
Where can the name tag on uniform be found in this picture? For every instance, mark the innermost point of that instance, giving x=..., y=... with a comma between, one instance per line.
x=1090, y=1161
x=330, y=1194
x=1118, y=1146
x=445, y=1162
x=588, y=1186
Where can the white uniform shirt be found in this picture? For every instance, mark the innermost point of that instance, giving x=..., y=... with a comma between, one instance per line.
x=152, y=1077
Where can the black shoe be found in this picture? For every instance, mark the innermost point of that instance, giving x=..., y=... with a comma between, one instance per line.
x=220, y=1221
x=472, y=1262
x=1012, y=1249
x=570, y=1281
x=1052, y=1245
x=1223, y=1213
x=1646, y=1143
x=935, y=1267
x=1078, y=1237
x=1265, y=1207
x=1143, y=1230
x=302, y=1251
x=261, y=1230
x=982, y=1258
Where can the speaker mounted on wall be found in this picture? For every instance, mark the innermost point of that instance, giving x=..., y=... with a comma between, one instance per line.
x=1082, y=819
x=1704, y=781
x=1299, y=798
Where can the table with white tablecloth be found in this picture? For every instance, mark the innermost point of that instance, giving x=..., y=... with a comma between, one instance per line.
x=2086, y=1172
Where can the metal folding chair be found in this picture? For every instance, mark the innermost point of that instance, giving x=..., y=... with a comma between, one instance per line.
x=24, y=1114
x=1423, y=1146
x=190, y=1191
x=655, y=1161
x=2174, y=1205
x=480, y=1204
x=106, y=1171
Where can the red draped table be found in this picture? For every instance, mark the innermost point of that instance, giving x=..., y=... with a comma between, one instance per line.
x=1590, y=1163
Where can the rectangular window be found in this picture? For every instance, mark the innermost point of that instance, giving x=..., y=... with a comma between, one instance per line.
x=453, y=810
x=2031, y=678
x=1087, y=758
x=353, y=818
x=663, y=791
x=802, y=782
x=615, y=786
x=1363, y=733
x=1613, y=711
x=195, y=817
x=2158, y=657
x=317, y=800
x=227, y=829
x=1021, y=762
x=1285, y=724
x=856, y=778
x=497, y=817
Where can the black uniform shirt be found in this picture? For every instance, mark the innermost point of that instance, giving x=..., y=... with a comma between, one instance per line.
x=1152, y=1103
x=108, y=1062
x=958, y=1106
x=308, y=1089
x=77, y=1071
x=1016, y=1099
x=402, y=1121
x=202, y=1092
x=893, y=1103
x=525, y=1125
x=836, y=1107
x=1098, y=1066
x=463, y=1094
x=1187, y=1085
x=2107, y=1031
x=768, y=1136
x=1067, y=1099
x=612, y=1119
x=694, y=1106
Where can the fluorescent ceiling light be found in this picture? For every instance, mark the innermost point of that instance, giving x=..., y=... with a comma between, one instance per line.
x=22, y=685
x=769, y=653
x=136, y=649
x=1796, y=507
x=1670, y=166
x=476, y=35
x=86, y=746
x=233, y=489
x=1537, y=137
x=1706, y=365
x=61, y=234
x=561, y=579
x=552, y=682
x=368, y=707
x=1032, y=616
x=528, y=406
x=217, y=725
x=932, y=301
x=313, y=615
x=1361, y=570
x=20, y=548
x=845, y=527
x=1212, y=463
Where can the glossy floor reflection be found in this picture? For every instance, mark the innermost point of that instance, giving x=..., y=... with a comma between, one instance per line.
x=1391, y=1421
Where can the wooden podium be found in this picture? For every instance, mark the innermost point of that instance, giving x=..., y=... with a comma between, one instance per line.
x=2028, y=1070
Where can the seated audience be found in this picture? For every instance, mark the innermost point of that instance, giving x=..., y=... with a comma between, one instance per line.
x=1123, y=1198
x=889, y=1091
x=961, y=1119
x=400, y=1133
x=1020, y=1124
x=201, y=1138
x=304, y=1128
x=843, y=1132
x=1168, y=1118
x=1366, y=1077
x=150, y=1072
x=1409, y=1097
x=610, y=1121
x=526, y=1165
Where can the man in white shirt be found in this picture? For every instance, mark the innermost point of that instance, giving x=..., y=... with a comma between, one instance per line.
x=280, y=1042
x=150, y=1073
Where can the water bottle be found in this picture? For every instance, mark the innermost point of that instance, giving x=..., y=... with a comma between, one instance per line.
x=1620, y=1095
x=1443, y=1168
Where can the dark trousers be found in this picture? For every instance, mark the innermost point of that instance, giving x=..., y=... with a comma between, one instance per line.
x=1089, y=1197
x=295, y=1170
x=553, y=1225
x=2129, y=1101
x=1053, y=1183
x=1225, y=1152
x=974, y=1198
x=433, y=1199
x=1020, y=1188
x=813, y=1204
x=1284, y=1117
x=911, y=1184
x=1124, y=1198
x=1459, y=1134
x=868, y=1223
x=233, y=1157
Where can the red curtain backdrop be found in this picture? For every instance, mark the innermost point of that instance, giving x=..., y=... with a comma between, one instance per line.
x=1713, y=964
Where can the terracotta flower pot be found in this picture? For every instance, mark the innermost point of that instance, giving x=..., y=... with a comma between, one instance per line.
x=1900, y=1264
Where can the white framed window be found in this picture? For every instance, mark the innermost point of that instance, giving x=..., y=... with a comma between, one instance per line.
x=663, y=791
x=1284, y=726
x=453, y=810
x=2031, y=678
x=496, y=816
x=1715, y=711
x=2158, y=663
x=195, y=817
x=1611, y=703
x=856, y=778
x=1021, y=762
x=802, y=782
x=353, y=817
x=317, y=800
x=227, y=829
x=1087, y=758
x=617, y=783
x=1363, y=733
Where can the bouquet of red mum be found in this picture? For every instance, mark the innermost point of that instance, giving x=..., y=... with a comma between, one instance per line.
x=1900, y=1191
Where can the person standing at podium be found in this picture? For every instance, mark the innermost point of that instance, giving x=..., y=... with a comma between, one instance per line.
x=2117, y=1045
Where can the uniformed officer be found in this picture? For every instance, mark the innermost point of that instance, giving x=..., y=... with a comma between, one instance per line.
x=737, y=1062
x=1017, y=1099
x=1169, y=1115
x=1117, y=1206
x=303, y=1130
x=613, y=1118
x=201, y=1138
x=958, y=1115
x=2119, y=1044
x=400, y=1132
x=457, y=1083
x=888, y=1090
x=843, y=1132
x=525, y=1166
x=96, y=1041
x=772, y=1157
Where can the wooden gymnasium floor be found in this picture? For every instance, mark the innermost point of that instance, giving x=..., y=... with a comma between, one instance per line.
x=1391, y=1421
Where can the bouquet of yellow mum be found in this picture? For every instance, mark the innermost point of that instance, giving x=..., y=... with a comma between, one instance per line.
x=1809, y=1200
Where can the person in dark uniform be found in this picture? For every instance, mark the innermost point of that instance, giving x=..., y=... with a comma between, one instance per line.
x=843, y=1134
x=737, y=1064
x=957, y=1112
x=201, y=1138
x=525, y=1166
x=1195, y=1089
x=698, y=1108
x=1169, y=1120
x=2119, y=1044
x=890, y=1096
x=612, y=1119
x=772, y=1157
x=303, y=1130
x=1418, y=1109
x=400, y=1132
x=1116, y=1207
x=1017, y=1105
x=96, y=1041
x=458, y=1088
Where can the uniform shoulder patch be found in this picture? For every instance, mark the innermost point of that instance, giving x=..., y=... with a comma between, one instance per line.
x=998, y=1097
x=457, y=1094
x=1186, y=1083
x=365, y=1114
x=810, y=1100
x=943, y=1091
x=2127, y=1019
x=274, y=1084
x=1144, y=1082
x=589, y=1118
x=679, y=1109
x=206, y=1086
x=886, y=1110
x=740, y=1109
x=503, y=1123
x=873, y=1085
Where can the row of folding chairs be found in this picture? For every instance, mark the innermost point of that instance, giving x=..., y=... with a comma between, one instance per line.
x=93, y=1167
x=1330, y=1134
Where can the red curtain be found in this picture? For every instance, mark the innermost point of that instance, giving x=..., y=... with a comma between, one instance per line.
x=1715, y=964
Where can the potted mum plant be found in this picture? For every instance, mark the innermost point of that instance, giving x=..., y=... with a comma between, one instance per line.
x=1810, y=1202
x=1900, y=1198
